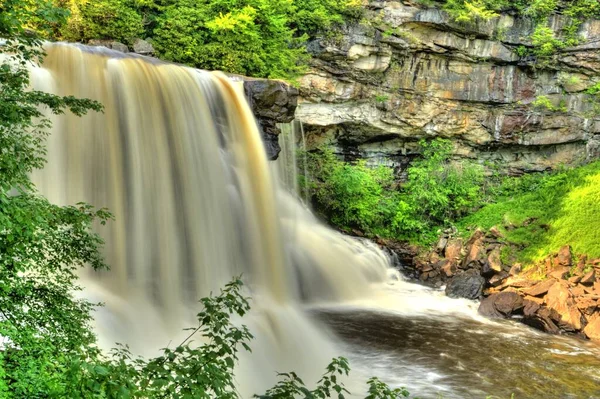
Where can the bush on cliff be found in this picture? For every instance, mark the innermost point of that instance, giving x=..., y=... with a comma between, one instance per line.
x=355, y=196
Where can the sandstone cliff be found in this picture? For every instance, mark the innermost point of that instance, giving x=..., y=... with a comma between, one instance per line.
x=409, y=72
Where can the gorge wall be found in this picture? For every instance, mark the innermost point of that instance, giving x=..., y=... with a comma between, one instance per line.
x=408, y=72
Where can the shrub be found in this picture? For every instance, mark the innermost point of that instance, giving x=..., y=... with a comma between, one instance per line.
x=437, y=192
x=107, y=19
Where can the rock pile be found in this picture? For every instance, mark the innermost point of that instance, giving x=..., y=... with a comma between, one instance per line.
x=560, y=295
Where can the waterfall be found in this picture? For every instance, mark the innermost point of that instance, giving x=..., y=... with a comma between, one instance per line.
x=177, y=158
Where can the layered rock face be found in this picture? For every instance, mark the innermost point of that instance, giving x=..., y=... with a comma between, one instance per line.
x=410, y=73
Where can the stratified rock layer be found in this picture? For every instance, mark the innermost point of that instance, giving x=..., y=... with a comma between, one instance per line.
x=410, y=73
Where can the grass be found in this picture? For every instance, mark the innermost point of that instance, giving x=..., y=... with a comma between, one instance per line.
x=539, y=214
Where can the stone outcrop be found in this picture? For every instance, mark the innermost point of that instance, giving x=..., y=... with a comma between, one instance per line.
x=272, y=102
x=410, y=72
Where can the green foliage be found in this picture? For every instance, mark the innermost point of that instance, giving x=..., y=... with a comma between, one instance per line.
x=544, y=41
x=317, y=16
x=107, y=19
x=250, y=37
x=41, y=245
x=470, y=11
x=354, y=196
x=261, y=38
x=541, y=213
x=441, y=190
x=545, y=104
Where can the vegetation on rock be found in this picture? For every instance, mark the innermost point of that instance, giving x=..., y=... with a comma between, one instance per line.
x=355, y=196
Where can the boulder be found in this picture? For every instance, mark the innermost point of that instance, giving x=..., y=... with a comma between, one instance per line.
x=475, y=251
x=494, y=260
x=589, y=278
x=498, y=279
x=540, y=288
x=502, y=304
x=441, y=244
x=560, y=273
x=143, y=47
x=560, y=299
x=119, y=47
x=564, y=256
x=454, y=250
x=468, y=284
x=515, y=269
x=592, y=330
x=542, y=320
x=448, y=267
x=574, y=279
x=530, y=307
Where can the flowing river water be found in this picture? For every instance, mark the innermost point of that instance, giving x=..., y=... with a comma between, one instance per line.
x=177, y=157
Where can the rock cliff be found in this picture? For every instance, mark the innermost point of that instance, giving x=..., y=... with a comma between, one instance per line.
x=409, y=72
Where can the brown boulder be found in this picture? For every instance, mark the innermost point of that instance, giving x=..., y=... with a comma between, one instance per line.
x=560, y=273
x=448, y=267
x=494, y=260
x=498, y=279
x=542, y=319
x=592, y=330
x=531, y=307
x=515, y=269
x=560, y=299
x=475, y=252
x=574, y=279
x=578, y=290
x=454, y=250
x=539, y=301
x=503, y=304
x=586, y=304
x=564, y=256
x=540, y=288
x=588, y=278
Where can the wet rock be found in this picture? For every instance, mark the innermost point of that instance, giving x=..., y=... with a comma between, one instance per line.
x=468, y=284
x=530, y=308
x=564, y=256
x=542, y=320
x=272, y=102
x=540, y=288
x=503, y=304
x=589, y=278
x=119, y=47
x=143, y=47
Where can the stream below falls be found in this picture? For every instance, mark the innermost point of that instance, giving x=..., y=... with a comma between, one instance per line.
x=441, y=348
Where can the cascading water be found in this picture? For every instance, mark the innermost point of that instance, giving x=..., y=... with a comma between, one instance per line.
x=176, y=156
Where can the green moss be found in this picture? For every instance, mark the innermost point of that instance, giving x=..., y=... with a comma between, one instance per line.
x=546, y=212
